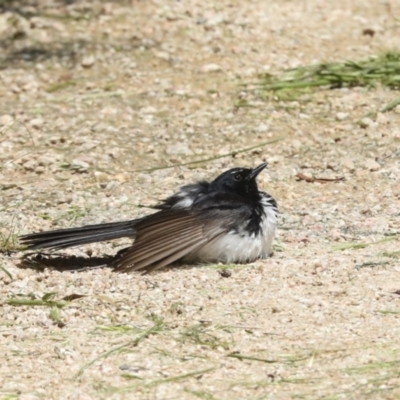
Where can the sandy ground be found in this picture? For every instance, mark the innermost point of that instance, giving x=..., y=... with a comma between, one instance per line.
x=92, y=92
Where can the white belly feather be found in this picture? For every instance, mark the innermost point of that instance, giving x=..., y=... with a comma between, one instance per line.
x=240, y=247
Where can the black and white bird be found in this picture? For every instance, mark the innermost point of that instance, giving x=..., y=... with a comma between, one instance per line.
x=227, y=220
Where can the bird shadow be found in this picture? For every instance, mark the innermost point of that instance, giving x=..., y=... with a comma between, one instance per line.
x=72, y=263
x=64, y=262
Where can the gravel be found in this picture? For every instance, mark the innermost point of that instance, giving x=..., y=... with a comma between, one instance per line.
x=93, y=97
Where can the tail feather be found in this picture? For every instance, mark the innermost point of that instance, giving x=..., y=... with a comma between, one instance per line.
x=63, y=238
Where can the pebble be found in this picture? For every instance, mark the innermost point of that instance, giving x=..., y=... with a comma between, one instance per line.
x=207, y=68
x=30, y=165
x=347, y=163
x=263, y=127
x=367, y=122
x=340, y=116
x=6, y=119
x=372, y=165
x=88, y=61
x=28, y=396
x=13, y=25
x=179, y=149
x=101, y=176
x=305, y=280
x=336, y=290
x=37, y=123
x=148, y=110
x=15, y=88
x=335, y=235
x=395, y=134
x=80, y=164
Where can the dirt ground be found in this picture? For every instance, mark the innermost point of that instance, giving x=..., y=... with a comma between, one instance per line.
x=91, y=93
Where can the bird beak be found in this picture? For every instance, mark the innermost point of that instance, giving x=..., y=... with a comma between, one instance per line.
x=256, y=171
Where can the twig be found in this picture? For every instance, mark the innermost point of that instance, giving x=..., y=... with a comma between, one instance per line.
x=233, y=153
x=302, y=177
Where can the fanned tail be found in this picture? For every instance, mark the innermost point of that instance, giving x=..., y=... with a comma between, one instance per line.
x=63, y=238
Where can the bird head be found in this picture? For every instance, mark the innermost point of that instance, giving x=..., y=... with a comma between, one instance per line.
x=241, y=181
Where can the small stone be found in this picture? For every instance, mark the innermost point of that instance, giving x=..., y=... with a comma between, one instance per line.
x=225, y=273
x=107, y=9
x=144, y=178
x=335, y=235
x=340, y=116
x=366, y=122
x=122, y=177
x=30, y=86
x=111, y=185
x=163, y=55
x=15, y=88
x=179, y=149
x=395, y=134
x=101, y=176
x=13, y=26
x=263, y=127
x=372, y=165
x=148, y=110
x=30, y=165
x=88, y=61
x=37, y=123
x=6, y=119
x=336, y=290
x=347, y=163
x=28, y=396
x=99, y=127
x=59, y=122
x=79, y=165
x=211, y=68
x=275, y=159
x=89, y=85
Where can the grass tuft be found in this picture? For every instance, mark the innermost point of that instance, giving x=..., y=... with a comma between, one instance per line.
x=391, y=254
x=9, y=242
x=46, y=301
x=383, y=69
x=9, y=396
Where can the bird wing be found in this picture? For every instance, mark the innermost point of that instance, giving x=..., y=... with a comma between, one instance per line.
x=169, y=235
x=165, y=237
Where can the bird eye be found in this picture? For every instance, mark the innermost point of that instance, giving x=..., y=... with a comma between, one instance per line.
x=237, y=177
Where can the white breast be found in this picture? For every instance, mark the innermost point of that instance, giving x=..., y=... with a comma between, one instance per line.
x=239, y=247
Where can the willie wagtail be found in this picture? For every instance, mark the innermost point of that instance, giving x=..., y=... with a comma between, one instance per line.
x=227, y=220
